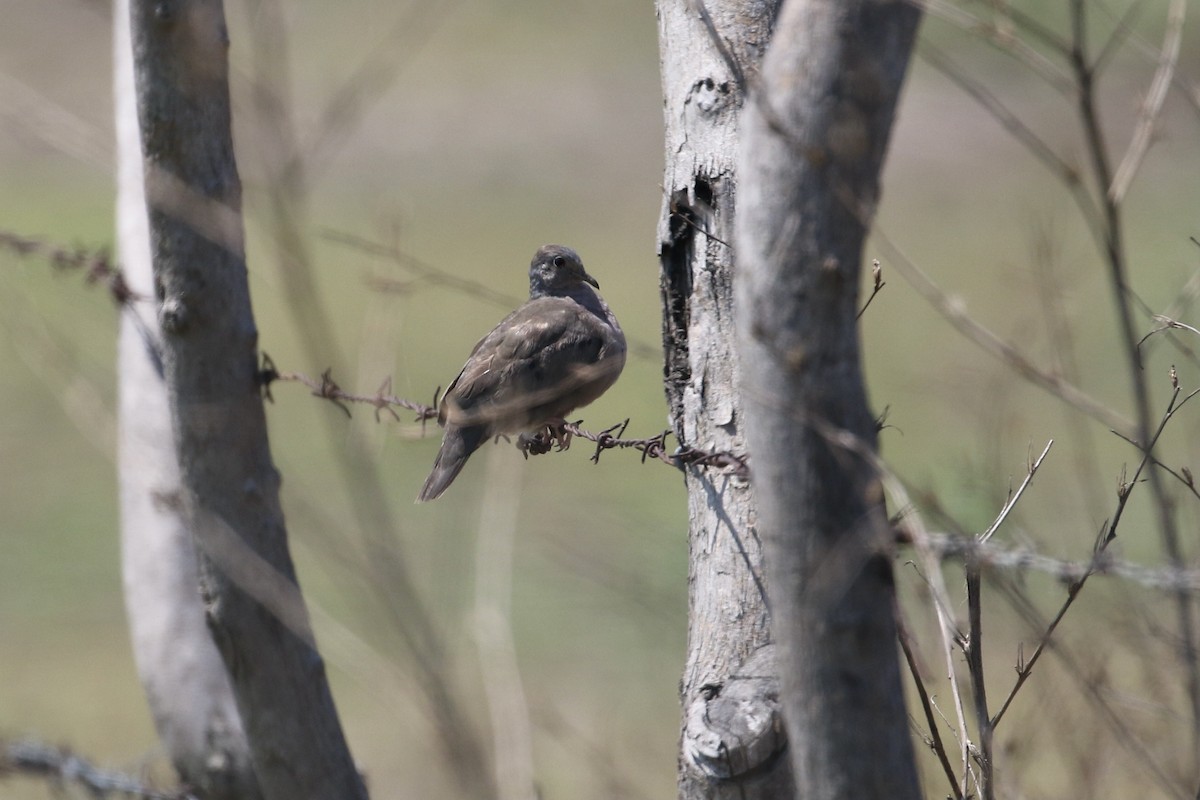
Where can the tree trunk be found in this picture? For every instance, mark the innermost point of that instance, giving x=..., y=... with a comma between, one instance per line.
x=181, y=671
x=813, y=144
x=230, y=486
x=732, y=740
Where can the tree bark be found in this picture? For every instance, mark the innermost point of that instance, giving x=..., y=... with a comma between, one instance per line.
x=812, y=148
x=732, y=740
x=230, y=486
x=181, y=671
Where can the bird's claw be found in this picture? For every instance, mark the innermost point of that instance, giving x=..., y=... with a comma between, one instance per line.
x=533, y=444
x=551, y=435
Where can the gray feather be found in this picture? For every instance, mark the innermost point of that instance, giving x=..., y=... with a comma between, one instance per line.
x=457, y=446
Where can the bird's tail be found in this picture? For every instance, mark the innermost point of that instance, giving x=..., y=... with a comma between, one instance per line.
x=457, y=446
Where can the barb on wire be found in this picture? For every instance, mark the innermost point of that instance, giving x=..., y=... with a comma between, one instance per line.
x=326, y=388
x=653, y=447
x=59, y=765
x=97, y=265
x=656, y=447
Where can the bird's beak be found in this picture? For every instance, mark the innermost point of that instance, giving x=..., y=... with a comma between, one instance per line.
x=591, y=280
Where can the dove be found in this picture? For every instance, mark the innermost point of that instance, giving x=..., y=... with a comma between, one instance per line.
x=559, y=351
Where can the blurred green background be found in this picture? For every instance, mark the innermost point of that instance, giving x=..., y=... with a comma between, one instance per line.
x=509, y=125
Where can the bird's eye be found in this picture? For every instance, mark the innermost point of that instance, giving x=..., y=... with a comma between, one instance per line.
x=560, y=262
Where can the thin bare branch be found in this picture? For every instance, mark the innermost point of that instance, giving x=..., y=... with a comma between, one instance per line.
x=1014, y=16
x=1112, y=247
x=1107, y=536
x=918, y=536
x=1142, y=754
x=954, y=313
x=935, y=736
x=366, y=85
x=1165, y=324
x=1015, y=496
x=1010, y=122
x=1139, y=145
x=974, y=644
x=25, y=108
x=430, y=274
x=1003, y=40
x=1186, y=87
x=973, y=649
x=877, y=285
x=1122, y=31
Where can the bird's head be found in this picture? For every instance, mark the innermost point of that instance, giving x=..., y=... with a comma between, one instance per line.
x=556, y=269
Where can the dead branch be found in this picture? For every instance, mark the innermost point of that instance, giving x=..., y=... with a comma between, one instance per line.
x=877, y=285
x=953, y=311
x=934, y=739
x=1152, y=107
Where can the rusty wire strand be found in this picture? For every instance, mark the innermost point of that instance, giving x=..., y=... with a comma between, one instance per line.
x=97, y=265
x=99, y=268
x=652, y=447
x=60, y=767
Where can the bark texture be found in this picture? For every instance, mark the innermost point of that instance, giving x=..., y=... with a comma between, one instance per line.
x=181, y=671
x=813, y=144
x=229, y=484
x=732, y=742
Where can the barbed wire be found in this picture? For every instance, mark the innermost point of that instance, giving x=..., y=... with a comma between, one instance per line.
x=1024, y=558
x=60, y=765
x=611, y=438
x=96, y=264
x=99, y=268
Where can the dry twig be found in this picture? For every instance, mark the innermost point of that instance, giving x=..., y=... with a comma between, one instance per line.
x=1152, y=106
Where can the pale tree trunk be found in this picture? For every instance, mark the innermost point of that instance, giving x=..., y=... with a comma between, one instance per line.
x=181, y=671
x=813, y=144
x=230, y=488
x=732, y=743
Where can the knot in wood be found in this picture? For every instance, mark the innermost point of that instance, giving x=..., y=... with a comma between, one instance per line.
x=736, y=727
x=173, y=316
x=710, y=96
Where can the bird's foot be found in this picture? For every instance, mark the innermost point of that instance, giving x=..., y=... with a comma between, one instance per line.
x=557, y=431
x=553, y=434
x=533, y=444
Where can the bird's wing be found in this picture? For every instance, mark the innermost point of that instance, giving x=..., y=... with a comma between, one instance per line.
x=546, y=358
